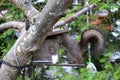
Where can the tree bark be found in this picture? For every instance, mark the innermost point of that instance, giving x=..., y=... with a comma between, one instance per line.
x=28, y=43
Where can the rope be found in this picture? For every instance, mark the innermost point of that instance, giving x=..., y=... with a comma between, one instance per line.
x=14, y=66
x=22, y=68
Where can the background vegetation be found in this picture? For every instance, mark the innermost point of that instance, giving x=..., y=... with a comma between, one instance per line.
x=106, y=69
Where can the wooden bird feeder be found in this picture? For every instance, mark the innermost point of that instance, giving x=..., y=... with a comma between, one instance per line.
x=49, y=49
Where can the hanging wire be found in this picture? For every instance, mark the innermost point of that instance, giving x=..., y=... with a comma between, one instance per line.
x=87, y=13
x=87, y=21
x=90, y=66
x=89, y=54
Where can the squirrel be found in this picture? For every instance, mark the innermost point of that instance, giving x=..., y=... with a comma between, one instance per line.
x=76, y=49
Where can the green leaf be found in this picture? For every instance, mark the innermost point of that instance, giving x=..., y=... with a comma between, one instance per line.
x=108, y=66
x=103, y=6
x=103, y=60
x=117, y=74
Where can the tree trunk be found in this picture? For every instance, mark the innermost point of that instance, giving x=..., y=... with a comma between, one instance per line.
x=28, y=43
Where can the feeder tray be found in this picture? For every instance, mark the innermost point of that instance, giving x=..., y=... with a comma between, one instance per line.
x=49, y=63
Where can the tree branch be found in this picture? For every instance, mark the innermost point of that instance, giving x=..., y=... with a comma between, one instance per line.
x=74, y=16
x=13, y=24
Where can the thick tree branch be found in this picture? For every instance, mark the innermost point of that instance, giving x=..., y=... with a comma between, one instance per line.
x=13, y=24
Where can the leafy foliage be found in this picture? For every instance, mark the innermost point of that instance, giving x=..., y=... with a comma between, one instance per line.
x=13, y=13
x=7, y=39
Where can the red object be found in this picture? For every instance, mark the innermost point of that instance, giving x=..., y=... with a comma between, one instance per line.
x=110, y=28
